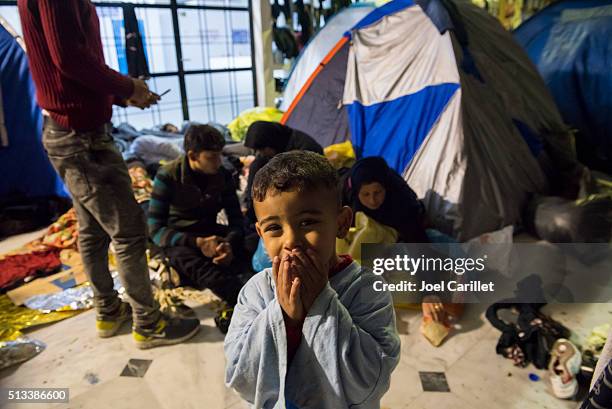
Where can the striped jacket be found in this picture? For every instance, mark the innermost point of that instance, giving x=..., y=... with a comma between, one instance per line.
x=184, y=205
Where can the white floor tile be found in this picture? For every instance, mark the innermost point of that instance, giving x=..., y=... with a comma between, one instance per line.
x=437, y=400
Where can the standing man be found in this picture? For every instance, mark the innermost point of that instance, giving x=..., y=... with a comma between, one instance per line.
x=77, y=90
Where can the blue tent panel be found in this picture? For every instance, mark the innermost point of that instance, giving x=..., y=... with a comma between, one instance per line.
x=396, y=129
x=24, y=165
x=535, y=31
x=570, y=44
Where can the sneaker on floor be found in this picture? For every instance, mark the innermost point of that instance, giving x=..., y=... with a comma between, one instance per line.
x=565, y=360
x=167, y=331
x=107, y=325
x=184, y=311
x=223, y=319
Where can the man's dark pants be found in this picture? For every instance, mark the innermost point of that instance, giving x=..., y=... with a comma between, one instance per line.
x=97, y=178
x=198, y=271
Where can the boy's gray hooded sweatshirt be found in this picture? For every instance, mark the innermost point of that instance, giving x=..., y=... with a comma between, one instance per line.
x=348, y=350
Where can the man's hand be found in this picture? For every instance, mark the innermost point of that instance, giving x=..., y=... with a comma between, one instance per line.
x=313, y=272
x=288, y=290
x=208, y=245
x=142, y=97
x=224, y=254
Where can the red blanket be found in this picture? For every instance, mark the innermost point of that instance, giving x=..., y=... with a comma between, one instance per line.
x=14, y=269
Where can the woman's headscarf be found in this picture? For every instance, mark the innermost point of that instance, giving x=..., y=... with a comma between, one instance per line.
x=262, y=134
x=401, y=208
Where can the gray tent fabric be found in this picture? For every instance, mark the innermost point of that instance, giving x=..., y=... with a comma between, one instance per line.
x=506, y=67
x=497, y=154
x=437, y=13
x=499, y=170
x=458, y=98
x=319, y=47
x=321, y=105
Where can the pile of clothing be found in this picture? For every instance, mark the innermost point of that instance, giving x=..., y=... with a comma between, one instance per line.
x=18, y=268
x=63, y=234
x=534, y=337
x=155, y=145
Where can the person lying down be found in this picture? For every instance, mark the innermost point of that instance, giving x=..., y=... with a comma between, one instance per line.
x=310, y=332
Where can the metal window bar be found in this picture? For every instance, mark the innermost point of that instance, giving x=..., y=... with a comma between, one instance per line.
x=235, y=98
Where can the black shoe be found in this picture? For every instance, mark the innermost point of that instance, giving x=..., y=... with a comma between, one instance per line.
x=181, y=310
x=223, y=319
x=108, y=325
x=167, y=331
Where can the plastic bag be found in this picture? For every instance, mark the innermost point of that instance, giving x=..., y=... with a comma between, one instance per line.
x=560, y=220
x=18, y=351
x=239, y=126
x=261, y=260
x=499, y=256
x=366, y=230
x=341, y=155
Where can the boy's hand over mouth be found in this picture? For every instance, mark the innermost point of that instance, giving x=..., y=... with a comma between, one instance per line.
x=288, y=287
x=313, y=272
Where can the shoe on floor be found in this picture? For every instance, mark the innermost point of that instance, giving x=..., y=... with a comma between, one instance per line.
x=223, y=319
x=183, y=311
x=108, y=325
x=167, y=331
x=565, y=360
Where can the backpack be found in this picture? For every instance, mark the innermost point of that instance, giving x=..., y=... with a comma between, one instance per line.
x=530, y=339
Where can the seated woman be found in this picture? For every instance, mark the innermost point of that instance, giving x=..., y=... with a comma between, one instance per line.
x=375, y=189
x=268, y=139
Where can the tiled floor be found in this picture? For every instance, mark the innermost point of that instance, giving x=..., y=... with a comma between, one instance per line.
x=191, y=375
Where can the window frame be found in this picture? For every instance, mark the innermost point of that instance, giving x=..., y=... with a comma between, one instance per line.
x=181, y=72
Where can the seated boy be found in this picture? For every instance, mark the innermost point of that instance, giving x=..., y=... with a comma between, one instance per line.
x=310, y=332
x=188, y=193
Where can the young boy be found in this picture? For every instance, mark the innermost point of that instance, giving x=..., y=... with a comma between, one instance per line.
x=310, y=332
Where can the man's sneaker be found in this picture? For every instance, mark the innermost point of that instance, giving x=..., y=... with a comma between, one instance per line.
x=107, y=325
x=183, y=311
x=223, y=319
x=167, y=331
x=565, y=360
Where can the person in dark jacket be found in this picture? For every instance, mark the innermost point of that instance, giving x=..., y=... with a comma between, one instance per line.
x=188, y=194
x=372, y=187
x=375, y=189
x=268, y=139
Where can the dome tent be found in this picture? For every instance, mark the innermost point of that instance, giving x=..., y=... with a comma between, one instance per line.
x=443, y=93
x=569, y=41
x=320, y=46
